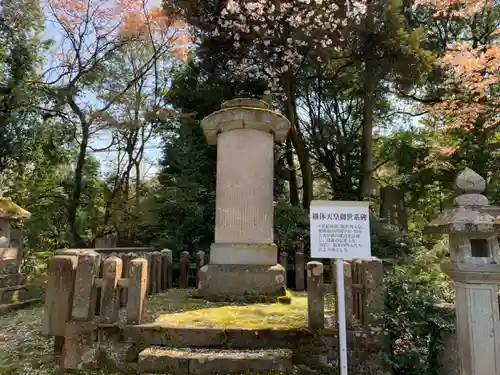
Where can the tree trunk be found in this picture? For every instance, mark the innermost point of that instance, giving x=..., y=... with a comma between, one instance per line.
x=298, y=141
x=294, y=186
x=74, y=237
x=369, y=78
x=305, y=168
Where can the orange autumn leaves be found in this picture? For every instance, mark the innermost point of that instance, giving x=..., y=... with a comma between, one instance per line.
x=459, y=8
x=474, y=75
x=473, y=72
x=126, y=20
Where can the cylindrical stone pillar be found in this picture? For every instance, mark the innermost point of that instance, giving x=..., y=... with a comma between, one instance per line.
x=244, y=200
x=243, y=259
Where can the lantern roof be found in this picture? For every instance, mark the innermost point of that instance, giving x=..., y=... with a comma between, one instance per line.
x=10, y=210
x=472, y=212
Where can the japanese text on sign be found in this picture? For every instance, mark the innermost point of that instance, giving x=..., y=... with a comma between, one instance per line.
x=340, y=230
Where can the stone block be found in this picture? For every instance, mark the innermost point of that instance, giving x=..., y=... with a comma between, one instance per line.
x=116, y=355
x=59, y=294
x=153, y=360
x=74, y=252
x=374, y=290
x=283, y=260
x=156, y=269
x=184, y=361
x=126, y=259
x=8, y=253
x=81, y=348
x=110, y=297
x=315, y=296
x=208, y=362
x=226, y=282
x=137, y=289
x=300, y=283
x=167, y=265
x=184, y=270
x=200, y=262
x=249, y=254
x=9, y=260
x=85, y=291
x=9, y=266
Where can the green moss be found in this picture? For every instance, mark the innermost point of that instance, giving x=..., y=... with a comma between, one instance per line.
x=196, y=295
x=244, y=107
x=10, y=210
x=24, y=349
x=179, y=309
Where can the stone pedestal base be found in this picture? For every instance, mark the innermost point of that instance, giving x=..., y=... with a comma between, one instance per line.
x=239, y=282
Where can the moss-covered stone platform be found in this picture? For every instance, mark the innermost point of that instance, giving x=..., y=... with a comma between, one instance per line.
x=178, y=308
x=186, y=335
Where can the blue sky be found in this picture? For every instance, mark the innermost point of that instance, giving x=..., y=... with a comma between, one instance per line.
x=152, y=154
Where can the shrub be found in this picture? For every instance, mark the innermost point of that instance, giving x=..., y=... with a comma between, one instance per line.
x=413, y=290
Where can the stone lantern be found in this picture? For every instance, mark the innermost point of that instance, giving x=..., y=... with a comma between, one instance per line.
x=475, y=269
x=9, y=254
x=243, y=259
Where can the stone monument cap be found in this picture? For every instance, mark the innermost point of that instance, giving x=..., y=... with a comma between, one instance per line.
x=245, y=102
x=245, y=113
x=10, y=210
x=469, y=182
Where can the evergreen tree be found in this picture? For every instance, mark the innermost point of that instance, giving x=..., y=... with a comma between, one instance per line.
x=185, y=201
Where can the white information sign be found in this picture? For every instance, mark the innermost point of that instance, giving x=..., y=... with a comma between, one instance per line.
x=340, y=230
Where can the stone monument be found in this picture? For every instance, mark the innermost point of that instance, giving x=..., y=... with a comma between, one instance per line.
x=11, y=288
x=243, y=259
x=475, y=269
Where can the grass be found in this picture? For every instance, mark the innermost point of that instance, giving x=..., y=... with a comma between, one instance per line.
x=24, y=350
x=178, y=309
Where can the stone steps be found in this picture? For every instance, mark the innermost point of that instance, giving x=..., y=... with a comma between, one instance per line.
x=198, y=361
x=222, y=338
x=245, y=338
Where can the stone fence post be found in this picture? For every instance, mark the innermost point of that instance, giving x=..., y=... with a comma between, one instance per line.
x=184, y=270
x=167, y=268
x=112, y=271
x=299, y=271
x=137, y=290
x=315, y=296
x=59, y=297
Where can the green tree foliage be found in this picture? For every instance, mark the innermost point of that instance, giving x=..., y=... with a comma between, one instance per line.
x=20, y=55
x=185, y=200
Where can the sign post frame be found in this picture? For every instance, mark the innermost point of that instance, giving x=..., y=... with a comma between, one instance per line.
x=341, y=316
x=340, y=230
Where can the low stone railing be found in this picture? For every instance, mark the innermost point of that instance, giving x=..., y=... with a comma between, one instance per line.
x=73, y=302
x=363, y=291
